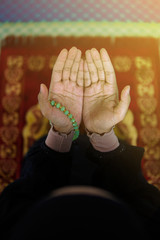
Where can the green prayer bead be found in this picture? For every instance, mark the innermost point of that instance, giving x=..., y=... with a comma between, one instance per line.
x=66, y=112
x=52, y=103
x=74, y=137
x=76, y=134
x=73, y=120
x=62, y=109
x=75, y=124
x=70, y=115
x=76, y=127
x=58, y=105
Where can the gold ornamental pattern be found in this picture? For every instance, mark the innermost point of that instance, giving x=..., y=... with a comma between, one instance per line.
x=9, y=131
x=36, y=63
x=147, y=104
x=122, y=63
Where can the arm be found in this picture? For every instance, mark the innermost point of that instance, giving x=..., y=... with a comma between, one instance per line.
x=65, y=88
x=45, y=167
x=119, y=165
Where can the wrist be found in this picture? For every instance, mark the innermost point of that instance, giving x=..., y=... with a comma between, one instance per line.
x=60, y=129
x=65, y=130
x=104, y=143
x=98, y=130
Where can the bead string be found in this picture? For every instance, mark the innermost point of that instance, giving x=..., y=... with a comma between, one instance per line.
x=69, y=115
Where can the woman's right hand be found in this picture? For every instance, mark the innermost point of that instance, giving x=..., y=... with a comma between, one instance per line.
x=66, y=88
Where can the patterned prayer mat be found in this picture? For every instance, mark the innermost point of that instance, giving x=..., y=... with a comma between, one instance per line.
x=26, y=62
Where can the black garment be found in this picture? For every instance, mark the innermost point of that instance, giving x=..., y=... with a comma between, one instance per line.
x=44, y=170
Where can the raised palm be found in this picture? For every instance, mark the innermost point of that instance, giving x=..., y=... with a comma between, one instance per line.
x=102, y=109
x=66, y=88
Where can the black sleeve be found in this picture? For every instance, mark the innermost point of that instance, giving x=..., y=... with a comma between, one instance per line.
x=43, y=170
x=46, y=168
x=120, y=172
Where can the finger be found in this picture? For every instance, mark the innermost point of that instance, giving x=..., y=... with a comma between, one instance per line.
x=97, y=60
x=75, y=66
x=108, y=67
x=58, y=67
x=87, y=79
x=91, y=66
x=123, y=105
x=43, y=101
x=80, y=74
x=69, y=62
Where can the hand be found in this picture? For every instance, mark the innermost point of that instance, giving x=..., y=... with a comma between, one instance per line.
x=102, y=108
x=66, y=87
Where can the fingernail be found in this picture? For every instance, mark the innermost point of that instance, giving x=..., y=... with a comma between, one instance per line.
x=128, y=90
x=40, y=88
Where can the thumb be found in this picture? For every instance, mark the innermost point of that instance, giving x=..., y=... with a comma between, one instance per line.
x=43, y=100
x=123, y=105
